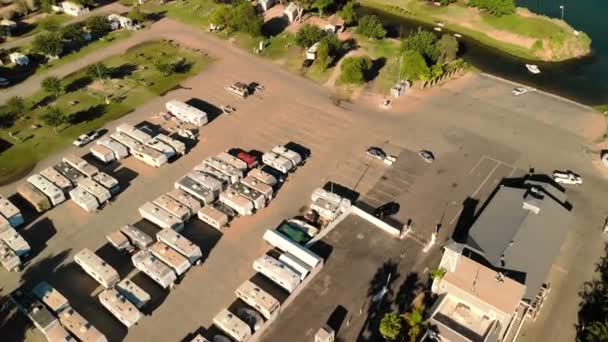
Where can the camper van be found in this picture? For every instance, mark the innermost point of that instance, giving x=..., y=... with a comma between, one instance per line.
x=182, y=245
x=102, y=194
x=187, y=113
x=160, y=217
x=133, y=293
x=294, y=157
x=278, y=272
x=233, y=173
x=277, y=162
x=234, y=200
x=134, y=133
x=263, y=177
x=68, y=172
x=213, y=217
x=102, y=153
x=162, y=147
x=178, y=263
x=208, y=170
x=178, y=146
x=107, y=182
x=47, y=188
x=119, y=241
x=295, y=264
x=154, y=268
x=149, y=155
x=137, y=238
x=57, y=179
x=84, y=199
x=174, y=207
x=207, y=181
x=258, y=299
x=120, y=151
x=10, y=212
x=125, y=140
x=8, y=258
x=232, y=160
x=98, y=269
x=120, y=307
x=81, y=165
x=257, y=198
x=259, y=186
x=184, y=198
x=232, y=325
x=282, y=242
x=203, y=194
x=79, y=326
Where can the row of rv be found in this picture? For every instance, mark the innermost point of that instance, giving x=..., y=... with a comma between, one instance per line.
x=13, y=246
x=73, y=177
x=286, y=265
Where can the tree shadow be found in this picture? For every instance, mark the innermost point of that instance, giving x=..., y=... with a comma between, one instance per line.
x=182, y=66
x=408, y=290
x=88, y=114
x=274, y=26
x=78, y=84
x=123, y=70
x=337, y=317
x=5, y=145
x=374, y=71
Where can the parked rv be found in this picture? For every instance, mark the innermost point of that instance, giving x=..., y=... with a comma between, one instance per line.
x=208, y=170
x=232, y=160
x=187, y=113
x=203, y=194
x=98, y=269
x=263, y=177
x=42, y=318
x=276, y=271
x=293, y=156
x=149, y=155
x=178, y=263
x=277, y=162
x=259, y=186
x=295, y=264
x=53, y=299
x=125, y=140
x=107, y=182
x=160, y=217
x=234, y=200
x=84, y=199
x=68, y=172
x=4, y=224
x=81, y=165
x=257, y=198
x=35, y=197
x=133, y=293
x=120, y=151
x=53, y=193
x=10, y=212
x=173, y=207
x=232, y=325
x=162, y=147
x=119, y=241
x=8, y=258
x=102, y=153
x=102, y=194
x=154, y=268
x=233, y=173
x=15, y=242
x=238, y=88
x=134, y=133
x=258, y=299
x=213, y=217
x=79, y=326
x=182, y=245
x=137, y=238
x=178, y=146
x=207, y=181
x=184, y=198
x=59, y=180
x=120, y=307
x=282, y=242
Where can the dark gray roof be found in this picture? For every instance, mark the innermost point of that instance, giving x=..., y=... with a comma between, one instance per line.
x=521, y=230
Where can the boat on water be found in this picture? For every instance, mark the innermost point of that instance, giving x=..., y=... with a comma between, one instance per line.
x=533, y=68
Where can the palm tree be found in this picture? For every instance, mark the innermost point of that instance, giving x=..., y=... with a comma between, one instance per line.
x=391, y=326
x=416, y=323
x=597, y=331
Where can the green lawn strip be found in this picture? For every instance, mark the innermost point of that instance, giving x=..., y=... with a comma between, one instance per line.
x=533, y=27
x=60, y=19
x=89, y=103
x=192, y=12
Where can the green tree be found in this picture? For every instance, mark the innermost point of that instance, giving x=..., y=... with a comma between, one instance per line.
x=15, y=104
x=308, y=35
x=415, y=322
x=436, y=70
x=52, y=85
x=73, y=34
x=165, y=68
x=422, y=42
x=136, y=15
x=446, y=2
x=447, y=47
x=98, y=25
x=99, y=71
x=45, y=5
x=355, y=69
x=596, y=332
x=49, y=24
x=247, y=19
x=48, y=44
x=371, y=27
x=414, y=67
x=391, y=326
x=438, y=273
x=53, y=117
x=495, y=7
x=322, y=5
x=221, y=16
x=348, y=12
x=593, y=308
x=324, y=58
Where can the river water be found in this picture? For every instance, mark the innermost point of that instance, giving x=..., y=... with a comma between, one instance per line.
x=584, y=80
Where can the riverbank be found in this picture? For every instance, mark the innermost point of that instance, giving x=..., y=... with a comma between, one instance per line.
x=524, y=34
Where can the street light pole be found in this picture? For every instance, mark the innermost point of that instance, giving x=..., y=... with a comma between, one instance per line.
x=562, y=8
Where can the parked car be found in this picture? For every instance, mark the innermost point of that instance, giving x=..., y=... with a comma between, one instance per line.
x=427, y=156
x=567, y=177
x=273, y=172
x=387, y=209
x=520, y=91
x=86, y=138
x=376, y=152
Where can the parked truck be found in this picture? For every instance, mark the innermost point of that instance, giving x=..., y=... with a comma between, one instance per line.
x=154, y=268
x=187, y=113
x=10, y=212
x=160, y=217
x=59, y=180
x=35, y=197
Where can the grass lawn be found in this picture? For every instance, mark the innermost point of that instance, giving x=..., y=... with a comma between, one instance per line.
x=191, y=12
x=59, y=18
x=136, y=82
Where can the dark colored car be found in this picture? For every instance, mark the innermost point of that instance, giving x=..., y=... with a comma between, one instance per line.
x=387, y=209
x=281, y=177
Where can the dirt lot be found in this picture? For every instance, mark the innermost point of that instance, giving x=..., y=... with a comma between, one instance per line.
x=477, y=131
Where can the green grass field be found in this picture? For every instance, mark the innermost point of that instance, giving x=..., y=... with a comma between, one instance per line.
x=136, y=82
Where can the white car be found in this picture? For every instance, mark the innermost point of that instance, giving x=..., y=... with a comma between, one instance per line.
x=520, y=91
x=86, y=138
x=567, y=177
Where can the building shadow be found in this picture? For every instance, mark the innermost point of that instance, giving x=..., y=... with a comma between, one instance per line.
x=465, y=220
x=337, y=317
x=125, y=177
x=27, y=210
x=211, y=110
x=158, y=295
x=121, y=262
x=322, y=249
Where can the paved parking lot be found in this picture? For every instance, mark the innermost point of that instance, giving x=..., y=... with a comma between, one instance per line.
x=478, y=133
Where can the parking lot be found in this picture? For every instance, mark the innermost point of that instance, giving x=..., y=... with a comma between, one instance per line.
x=478, y=137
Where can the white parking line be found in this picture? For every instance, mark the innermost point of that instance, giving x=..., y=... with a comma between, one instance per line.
x=476, y=165
x=498, y=163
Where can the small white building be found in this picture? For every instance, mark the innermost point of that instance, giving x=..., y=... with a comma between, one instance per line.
x=292, y=12
x=118, y=21
x=19, y=59
x=266, y=4
x=70, y=8
x=311, y=53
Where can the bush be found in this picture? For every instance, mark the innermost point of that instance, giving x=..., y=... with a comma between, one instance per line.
x=241, y=17
x=414, y=67
x=354, y=69
x=48, y=44
x=308, y=35
x=495, y=7
x=371, y=27
x=422, y=42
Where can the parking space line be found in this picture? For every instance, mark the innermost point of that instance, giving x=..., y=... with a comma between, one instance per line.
x=498, y=163
x=476, y=165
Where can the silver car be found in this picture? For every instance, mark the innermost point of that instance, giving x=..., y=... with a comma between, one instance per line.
x=376, y=152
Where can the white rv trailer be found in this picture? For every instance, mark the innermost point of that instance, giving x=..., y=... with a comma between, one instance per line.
x=160, y=217
x=233, y=173
x=330, y=197
x=57, y=333
x=107, y=182
x=120, y=151
x=120, y=307
x=303, y=226
x=81, y=165
x=42, y=318
x=295, y=264
x=137, y=238
x=68, y=172
x=162, y=147
x=263, y=177
x=84, y=199
x=199, y=338
x=47, y=188
x=134, y=133
x=177, y=262
x=133, y=293
x=10, y=212
x=234, y=200
x=8, y=258
x=207, y=181
x=125, y=140
x=162, y=274
x=293, y=156
x=186, y=199
x=182, y=245
x=282, y=242
x=258, y=299
x=173, y=207
x=80, y=327
x=102, y=153
x=277, y=162
x=257, y=198
x=232, y=325
x=149, y=155
x=51, y=297
x=195, y=189
x=177, y=145
x=258, y=185
x=327, y=209
x=55, y=177
x=208, y=170
x=187, y=113
x=4, y=224
x=232, y=160
x=276, y=271
x=119, y=241
x=102, y=194
x=94, y=266
x=213, y=217
x=15, y=242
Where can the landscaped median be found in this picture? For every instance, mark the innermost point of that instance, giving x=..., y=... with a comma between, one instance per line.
x=88, y=99
x=523, y=34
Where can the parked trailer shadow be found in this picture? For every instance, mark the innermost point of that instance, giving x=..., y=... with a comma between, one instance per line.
x=211, y=110
x=158, y=295
x=121, y=262
x=202, y=235
x=37, y=235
